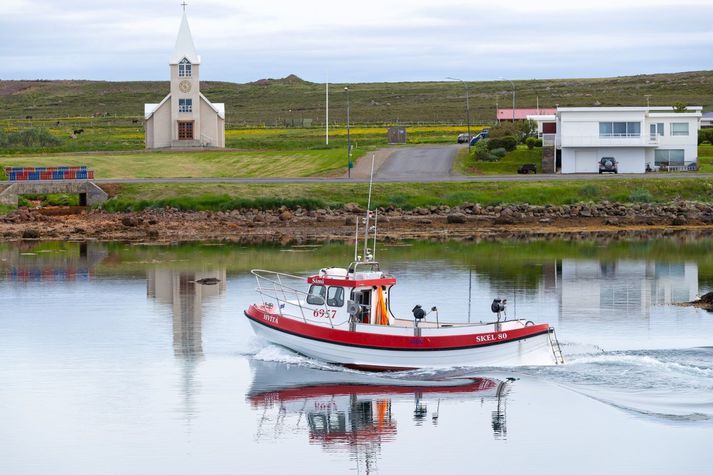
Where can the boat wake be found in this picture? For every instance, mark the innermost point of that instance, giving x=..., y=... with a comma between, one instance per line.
x=667, y=385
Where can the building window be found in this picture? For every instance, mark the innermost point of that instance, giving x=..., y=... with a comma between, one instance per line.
x=619, y=129
x=184, y=69
x=659, y=128
x=679, y=128
x=668, y=158
x=185, y=105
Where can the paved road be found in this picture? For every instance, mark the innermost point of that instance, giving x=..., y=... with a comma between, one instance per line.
x=429, y=179
x=418, y=163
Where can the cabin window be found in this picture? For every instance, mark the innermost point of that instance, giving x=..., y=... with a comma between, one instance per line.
x=316, y=295
x=335, y=297
x=185, y=69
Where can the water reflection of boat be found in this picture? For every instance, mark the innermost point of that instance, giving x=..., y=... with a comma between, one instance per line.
x=356, y=412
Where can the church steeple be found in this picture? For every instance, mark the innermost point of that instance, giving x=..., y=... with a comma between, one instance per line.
x=184, y=44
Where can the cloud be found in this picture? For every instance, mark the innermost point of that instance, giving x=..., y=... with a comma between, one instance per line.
x=371, y=40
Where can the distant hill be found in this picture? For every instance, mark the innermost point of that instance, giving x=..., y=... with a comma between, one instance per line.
x=272, y=101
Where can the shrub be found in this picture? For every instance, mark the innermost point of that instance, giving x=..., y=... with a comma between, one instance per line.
x=508, y=142
x=33, y=137
x=498, y=152
x=530, y=142
x=503, y=129
x=705, y=135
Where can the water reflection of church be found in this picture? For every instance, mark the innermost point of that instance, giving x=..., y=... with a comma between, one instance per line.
x=633, y=286
x=185, y=292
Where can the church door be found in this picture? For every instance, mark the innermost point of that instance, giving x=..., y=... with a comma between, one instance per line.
x=185, y=130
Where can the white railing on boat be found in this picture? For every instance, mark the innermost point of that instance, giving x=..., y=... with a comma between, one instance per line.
x=274, y=286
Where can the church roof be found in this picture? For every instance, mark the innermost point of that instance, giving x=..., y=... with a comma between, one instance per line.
x=184, y=44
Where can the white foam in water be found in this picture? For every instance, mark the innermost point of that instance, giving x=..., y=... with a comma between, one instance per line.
x=666, y=385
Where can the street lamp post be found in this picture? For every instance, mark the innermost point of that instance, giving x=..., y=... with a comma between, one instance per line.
x=467, y=106
x=349, y=141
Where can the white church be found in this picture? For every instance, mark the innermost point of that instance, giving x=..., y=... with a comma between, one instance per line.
x=185, y=117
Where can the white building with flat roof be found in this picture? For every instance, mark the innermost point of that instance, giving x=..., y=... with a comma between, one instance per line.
x=639, y=138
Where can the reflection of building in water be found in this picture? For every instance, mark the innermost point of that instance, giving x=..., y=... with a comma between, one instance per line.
x=355, y=413
x=59, y=262
x=185, y=294
x=591, y=286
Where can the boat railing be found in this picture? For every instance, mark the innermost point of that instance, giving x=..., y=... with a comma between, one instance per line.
x=280, y=288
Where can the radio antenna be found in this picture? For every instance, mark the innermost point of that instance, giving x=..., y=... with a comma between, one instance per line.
x=376, y=220
x=368, y=209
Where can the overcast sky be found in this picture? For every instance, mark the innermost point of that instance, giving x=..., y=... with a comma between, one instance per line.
x=356, y=41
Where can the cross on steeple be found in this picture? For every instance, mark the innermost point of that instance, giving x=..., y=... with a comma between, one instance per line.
x=184, y=5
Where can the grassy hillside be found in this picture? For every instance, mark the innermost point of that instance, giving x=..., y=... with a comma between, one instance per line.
x=271, y=102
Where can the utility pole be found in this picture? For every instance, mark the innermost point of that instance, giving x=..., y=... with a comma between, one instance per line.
x=326, y=114
x=349, y=141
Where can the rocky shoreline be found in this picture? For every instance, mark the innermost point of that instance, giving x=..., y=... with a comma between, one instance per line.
x=295, y=226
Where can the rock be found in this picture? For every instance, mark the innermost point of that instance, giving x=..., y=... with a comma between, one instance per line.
x=30, y=234
x=129, y=221
x=422, y=211
x=679, y=221
x=152, y=234
x=455, y=218
x=286, y=215
x=350, y=220
x=353, y=208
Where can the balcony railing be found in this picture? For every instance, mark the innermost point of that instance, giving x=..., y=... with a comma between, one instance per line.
x=607, y=140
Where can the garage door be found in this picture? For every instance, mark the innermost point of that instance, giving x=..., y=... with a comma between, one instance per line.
x=585, y=161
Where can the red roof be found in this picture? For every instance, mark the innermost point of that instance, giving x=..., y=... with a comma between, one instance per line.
x=521, y=114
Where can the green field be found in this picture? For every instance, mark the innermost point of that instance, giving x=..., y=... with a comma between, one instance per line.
x=198, y=164
x=274, y=102
x=103, y=136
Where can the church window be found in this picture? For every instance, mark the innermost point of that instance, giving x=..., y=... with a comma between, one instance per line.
x=184, y=68
x=185, y=105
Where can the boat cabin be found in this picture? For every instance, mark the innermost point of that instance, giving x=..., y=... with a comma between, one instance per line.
x=359, y=292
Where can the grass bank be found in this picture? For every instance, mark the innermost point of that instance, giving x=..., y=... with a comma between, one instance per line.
x=466, y=164
x=406, y=195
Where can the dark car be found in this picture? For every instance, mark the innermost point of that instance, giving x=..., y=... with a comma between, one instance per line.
x=527, y=168
x=608, y=165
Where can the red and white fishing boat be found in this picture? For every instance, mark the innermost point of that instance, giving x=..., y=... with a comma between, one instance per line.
x=343, y=316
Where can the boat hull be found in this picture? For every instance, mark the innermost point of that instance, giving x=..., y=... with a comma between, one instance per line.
x=527, y=346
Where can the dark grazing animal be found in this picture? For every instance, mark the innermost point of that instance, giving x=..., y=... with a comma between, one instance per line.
x=78, y=131
x=28, y=117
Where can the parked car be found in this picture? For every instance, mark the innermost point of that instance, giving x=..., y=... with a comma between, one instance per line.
x=463, y=138
x=477, y=139
x=527, y=168
x=485, y=133
x=609, y=165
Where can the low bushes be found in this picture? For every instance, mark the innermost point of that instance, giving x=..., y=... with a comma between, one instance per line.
x=509, y=143
x=533, y=142
x=33, y=137
x=705, y=136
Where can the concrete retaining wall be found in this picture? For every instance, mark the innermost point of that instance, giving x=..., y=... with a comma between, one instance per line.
x=89, y=193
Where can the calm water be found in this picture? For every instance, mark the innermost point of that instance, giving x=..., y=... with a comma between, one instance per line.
x=114, y=361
